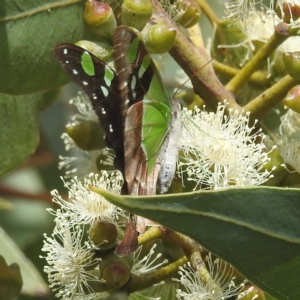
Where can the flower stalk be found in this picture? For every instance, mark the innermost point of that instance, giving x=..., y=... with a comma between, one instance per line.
x=191, y=60
x=281, y=33
x=271, y=97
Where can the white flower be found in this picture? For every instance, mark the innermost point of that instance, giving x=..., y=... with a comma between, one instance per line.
x=250, y=19
x=220, y=151
x=290, y=152
x=173, y=8
x=67, y=261
x=85, y=206
x=85, y=109
x=81, y=163
x=290, y=124
x=246, y=40
x=239, y=10
x=148, y=263
x=219, y=286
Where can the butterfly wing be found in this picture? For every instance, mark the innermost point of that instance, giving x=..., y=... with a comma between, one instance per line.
x=100, y=83
x=148, y=122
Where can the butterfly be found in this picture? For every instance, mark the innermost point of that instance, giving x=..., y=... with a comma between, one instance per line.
x=140, y=121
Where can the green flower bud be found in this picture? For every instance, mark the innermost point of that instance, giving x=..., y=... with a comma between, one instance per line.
x=190, y=99
x=191, y=13
x=115, y=270
x=87, y=135
x=275, y=164
x=100, y=17
x=292, y=99
x=158, y=38
x=292, y=63
x=136, y=13
x=288, y=12
x=103, y=234
x=275, y=161
x=102, y=50
x=92, y=263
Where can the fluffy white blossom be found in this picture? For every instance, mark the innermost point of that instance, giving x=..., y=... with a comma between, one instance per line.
x=220, y=151
x=289, y=142
x=173, y=8
x=238, y=10
x=290, y=124
x=80, y=163
x=85, y=206
x=219, y=286
x=68, y=259
x=147, y=263
x=290, y=152
x=252, y=17
x=85, y=109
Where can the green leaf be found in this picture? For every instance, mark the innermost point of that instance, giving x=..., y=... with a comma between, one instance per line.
x=33, y=284
x=256, y=230
x=19, y=123
x=10, y=280
x=29, y=32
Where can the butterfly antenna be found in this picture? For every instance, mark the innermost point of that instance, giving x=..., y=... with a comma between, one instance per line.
x=217, y=54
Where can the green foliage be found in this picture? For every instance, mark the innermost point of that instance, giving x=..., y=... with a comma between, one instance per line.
x=10, y=276
x=10, y=280
x=29, y=32
x=19, y=123
x=256, y=230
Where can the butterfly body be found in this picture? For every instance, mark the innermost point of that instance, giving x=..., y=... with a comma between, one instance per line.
x=134, y=109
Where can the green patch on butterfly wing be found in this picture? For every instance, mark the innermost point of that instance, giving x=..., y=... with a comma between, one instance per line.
x=157, y=90
x=156, y=122
x=137, y=49
x=133, y=50
x=87, y=64
x=108, y=75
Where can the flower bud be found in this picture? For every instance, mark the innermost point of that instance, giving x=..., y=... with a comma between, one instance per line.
x=102, y=50
x=136, y=13
x=275, y=160
x=190, y=99
x=288, y=12
x=292, y=99
x=100, y=17
x=87, y=135
x=103, y=234
x=158, y=38
x=274, y=165
x=115, y=270
x=92, y=262
x=191, y=13
x=292, y=63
